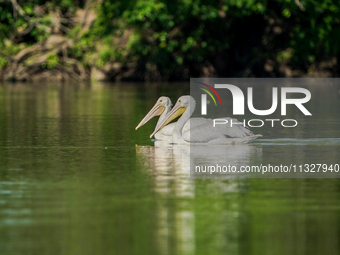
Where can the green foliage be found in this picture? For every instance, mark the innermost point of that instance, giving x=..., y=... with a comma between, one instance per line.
x=52, y=61
x=204, y=28
x=3, y=62
x=166, y=34
x=284, y=56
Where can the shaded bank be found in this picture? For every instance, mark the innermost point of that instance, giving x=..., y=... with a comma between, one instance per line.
x=165, y=40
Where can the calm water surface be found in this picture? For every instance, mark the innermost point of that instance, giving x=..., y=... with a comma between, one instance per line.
x=76, y=178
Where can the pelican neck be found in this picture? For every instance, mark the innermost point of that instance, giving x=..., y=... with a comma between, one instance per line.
x=177, y=133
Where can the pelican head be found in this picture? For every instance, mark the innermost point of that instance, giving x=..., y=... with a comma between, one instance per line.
x=159, y=107
x=182, y=104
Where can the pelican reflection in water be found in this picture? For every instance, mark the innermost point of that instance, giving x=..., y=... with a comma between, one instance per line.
x=205, y=132
x=180, y=161
x=168, y=167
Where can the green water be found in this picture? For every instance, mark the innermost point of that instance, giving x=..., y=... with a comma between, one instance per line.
x=76, y=178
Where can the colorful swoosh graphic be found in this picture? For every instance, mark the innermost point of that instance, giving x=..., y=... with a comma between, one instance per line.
x=209, y=94
x=213, y=90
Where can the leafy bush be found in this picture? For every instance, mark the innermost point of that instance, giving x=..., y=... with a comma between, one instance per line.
x=173, y=38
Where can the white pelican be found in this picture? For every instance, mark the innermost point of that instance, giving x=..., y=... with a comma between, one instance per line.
x=205, y=132
x=161, y=108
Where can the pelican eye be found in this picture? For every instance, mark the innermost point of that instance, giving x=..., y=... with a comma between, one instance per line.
x=160, y=100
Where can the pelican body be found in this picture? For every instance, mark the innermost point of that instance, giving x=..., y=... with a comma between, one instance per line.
x=205, y=132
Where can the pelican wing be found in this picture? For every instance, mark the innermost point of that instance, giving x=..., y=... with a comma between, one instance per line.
x=165, y=132
x=206, y=132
